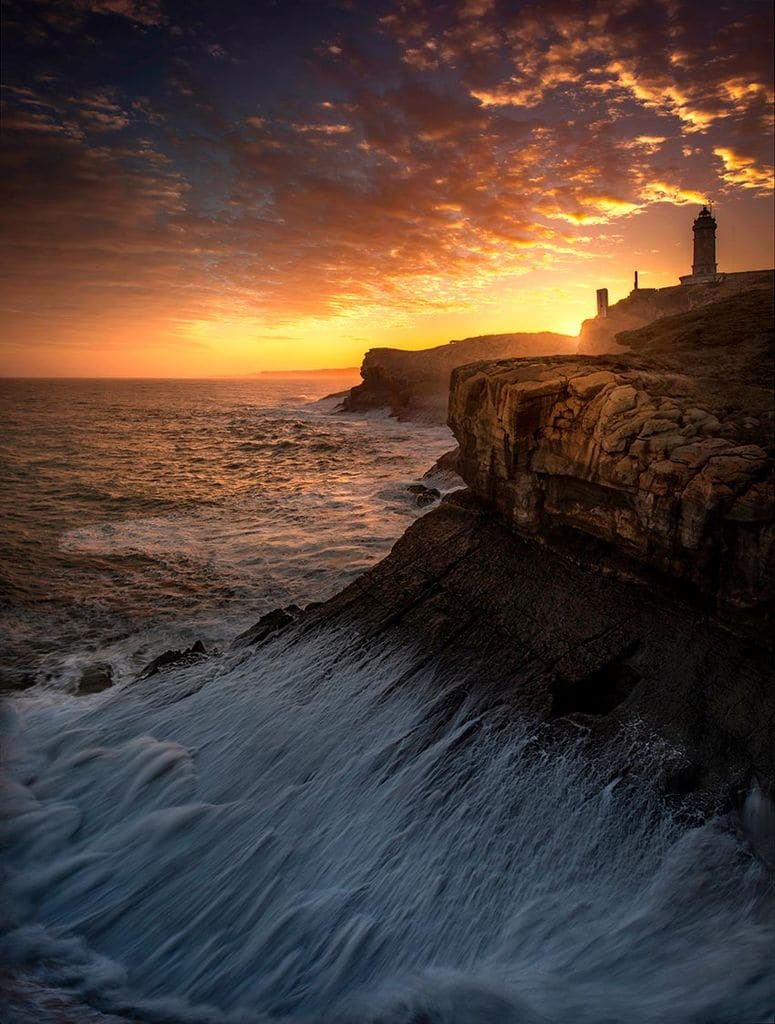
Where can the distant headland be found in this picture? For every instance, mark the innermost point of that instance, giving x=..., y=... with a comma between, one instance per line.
x=343, y=371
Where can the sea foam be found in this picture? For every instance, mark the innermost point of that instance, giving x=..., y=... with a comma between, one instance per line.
x=290, y=834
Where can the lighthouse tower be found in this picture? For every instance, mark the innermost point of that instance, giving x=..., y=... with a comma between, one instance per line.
x=704, y=265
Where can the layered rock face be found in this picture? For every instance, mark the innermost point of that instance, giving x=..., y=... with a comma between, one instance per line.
x=415, y=385
x=662, y=457
x=641, y=307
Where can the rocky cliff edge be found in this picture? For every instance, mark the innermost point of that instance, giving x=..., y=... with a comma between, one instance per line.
x=662, y=456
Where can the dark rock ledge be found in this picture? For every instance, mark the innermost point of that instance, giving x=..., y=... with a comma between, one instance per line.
x=504, y=619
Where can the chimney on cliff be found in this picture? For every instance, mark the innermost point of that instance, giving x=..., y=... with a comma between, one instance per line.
x=602, y=303
x=635, y=284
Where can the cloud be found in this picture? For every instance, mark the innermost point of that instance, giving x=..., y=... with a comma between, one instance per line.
x=510, y=94
x=396, y=168
x=143, y=12
x=742, y=171
x=662, y=192
x=321, y=129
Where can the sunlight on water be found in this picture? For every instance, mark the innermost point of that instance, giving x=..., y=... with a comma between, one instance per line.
x=143, y=515
x=285, y=835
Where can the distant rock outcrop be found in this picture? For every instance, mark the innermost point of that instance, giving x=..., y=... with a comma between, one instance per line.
x=644, y=305
x=415, y=385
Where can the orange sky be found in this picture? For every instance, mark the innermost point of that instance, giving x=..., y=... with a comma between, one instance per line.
x=270, y=192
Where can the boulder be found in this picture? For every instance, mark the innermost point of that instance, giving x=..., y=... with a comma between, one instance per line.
x=268, y=626
x=424, y=495
x=445, y=464
x=175, y=659
x=95, y=678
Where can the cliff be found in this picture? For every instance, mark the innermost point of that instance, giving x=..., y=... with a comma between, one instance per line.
x=610, y=567
x=644, y=305
x=608, y=570
x=415, y=385
x=662, y=456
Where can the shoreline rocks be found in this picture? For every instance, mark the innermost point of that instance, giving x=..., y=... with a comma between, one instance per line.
x=424, y=495
x=95, y=678
x=505, y=620
x=175, y=659
x=268, y=626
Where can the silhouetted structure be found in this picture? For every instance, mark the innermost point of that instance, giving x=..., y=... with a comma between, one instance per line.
x=704, y=265
x=703, y=268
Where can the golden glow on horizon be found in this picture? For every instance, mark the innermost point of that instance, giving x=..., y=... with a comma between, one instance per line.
x=486, y=174
x=228, y=345
x=429, y=309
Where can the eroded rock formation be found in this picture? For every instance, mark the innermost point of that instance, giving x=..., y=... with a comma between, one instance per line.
x=663, y=454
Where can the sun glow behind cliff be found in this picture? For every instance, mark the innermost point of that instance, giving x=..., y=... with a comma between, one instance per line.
x=284, y=192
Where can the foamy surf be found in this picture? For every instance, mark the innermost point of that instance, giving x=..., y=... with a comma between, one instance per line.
x=288, y=835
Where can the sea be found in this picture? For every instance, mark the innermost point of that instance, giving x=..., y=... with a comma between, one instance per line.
x=143, y=515
x=289, y=835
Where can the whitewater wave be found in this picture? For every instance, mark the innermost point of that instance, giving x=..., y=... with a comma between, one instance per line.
x=292, y=834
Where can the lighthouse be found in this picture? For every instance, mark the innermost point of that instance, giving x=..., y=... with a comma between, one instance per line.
x=704, y=264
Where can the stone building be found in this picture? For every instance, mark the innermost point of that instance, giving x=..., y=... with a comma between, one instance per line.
x=704, y=263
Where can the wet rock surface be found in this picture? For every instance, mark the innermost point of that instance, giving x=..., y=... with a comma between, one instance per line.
x=505, y=620
x=175, y=659
x=447, y=463
x=268, y=626
x=424, y=495
x=95, y=678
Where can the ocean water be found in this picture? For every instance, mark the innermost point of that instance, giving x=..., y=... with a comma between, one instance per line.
x=140, y=516
x=290, y=835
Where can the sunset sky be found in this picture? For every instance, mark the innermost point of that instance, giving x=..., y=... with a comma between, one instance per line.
x=194, y=187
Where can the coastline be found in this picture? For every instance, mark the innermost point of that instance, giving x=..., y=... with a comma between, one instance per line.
x=390, y=750
x=616, y=538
